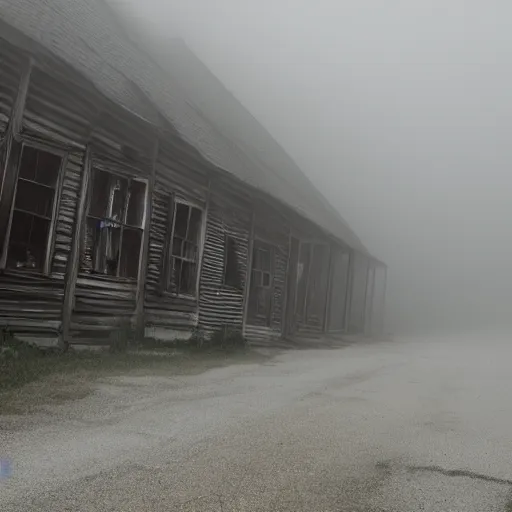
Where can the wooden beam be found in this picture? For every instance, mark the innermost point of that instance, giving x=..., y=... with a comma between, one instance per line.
x=247, y=288
x=284, y=307
x=372, y=296
x=143, y=260
x=329, y=289
x=204, y=234
x=74, y=256
x=349, y=292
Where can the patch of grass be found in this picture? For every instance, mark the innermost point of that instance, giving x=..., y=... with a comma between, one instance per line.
x=42, y=378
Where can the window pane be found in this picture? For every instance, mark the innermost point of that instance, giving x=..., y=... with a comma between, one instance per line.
x=28, y=163
x=194, y=228
x=118, y=193
x=181, y=220
x=28, y=242
x=48, y=166
x=231, y=271
x=130, y=253
x=265, y=259
x=177, y=246
x=100, y=193
x=136, y=203
x=102, y=246
x=257, y=278
x=189, y=251
x=187, y=278
x=34, y=198
x=266, y=279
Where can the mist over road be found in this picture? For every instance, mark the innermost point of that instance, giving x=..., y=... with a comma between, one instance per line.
x=414, y=424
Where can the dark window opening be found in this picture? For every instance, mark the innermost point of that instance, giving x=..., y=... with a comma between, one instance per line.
x=113, y=235
x=232, y=275
x=33, y=210
x=261, y=289
x=184, y=253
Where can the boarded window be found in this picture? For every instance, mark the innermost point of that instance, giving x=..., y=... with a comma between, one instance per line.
x=185, y=248
x=33, y=209
x=231, y=266
x=260, y=295
x=115, y=223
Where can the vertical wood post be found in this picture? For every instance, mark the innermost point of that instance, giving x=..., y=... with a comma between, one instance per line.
x=365, y=308
x=74, y=256
x=329, y=289
x=372, y=299
x=350, y=289
x=203, y=244
x=143, y=262
x=284, y=307
x=249, y=271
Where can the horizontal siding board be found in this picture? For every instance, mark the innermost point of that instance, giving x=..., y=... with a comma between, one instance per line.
x=229, y=215
x=162, y=309
x=30, y=304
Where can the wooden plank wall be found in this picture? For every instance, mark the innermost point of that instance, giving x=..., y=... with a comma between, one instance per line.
x=103, y=303
x=11, y=62
x=229, y=214
x=32, y=304
x=167, y=316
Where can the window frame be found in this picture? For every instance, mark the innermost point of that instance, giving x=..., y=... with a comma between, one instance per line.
x=98, y=164
x=261, y=244
x=168, y=270
x=228, y=236
x=14, y=159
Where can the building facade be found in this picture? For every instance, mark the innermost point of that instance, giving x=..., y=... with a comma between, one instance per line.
x=111, y=213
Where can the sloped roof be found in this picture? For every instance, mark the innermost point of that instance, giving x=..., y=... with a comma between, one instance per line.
x=87, y=35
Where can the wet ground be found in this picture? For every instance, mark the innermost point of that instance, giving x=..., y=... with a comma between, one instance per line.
x=410, y=425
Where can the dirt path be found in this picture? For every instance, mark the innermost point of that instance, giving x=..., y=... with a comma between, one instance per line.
x=403, y=426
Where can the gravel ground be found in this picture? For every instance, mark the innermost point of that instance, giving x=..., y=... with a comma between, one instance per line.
x=404, y=426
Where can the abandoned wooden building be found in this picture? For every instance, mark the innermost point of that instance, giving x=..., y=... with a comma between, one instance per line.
x=129, y=195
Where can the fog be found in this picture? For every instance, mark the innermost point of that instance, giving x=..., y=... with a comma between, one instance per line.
x=400, y=112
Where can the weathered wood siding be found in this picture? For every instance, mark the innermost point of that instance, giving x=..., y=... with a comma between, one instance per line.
x=31, y=305
x=229, y=213
x=11, y=61
x=272, y=228
x=103, y=303
x=168, y=316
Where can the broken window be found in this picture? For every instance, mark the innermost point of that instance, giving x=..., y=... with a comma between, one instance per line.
x=260, y=296
x=231, y=268
x=184, y=253
x=115, y=223
x=33, y=209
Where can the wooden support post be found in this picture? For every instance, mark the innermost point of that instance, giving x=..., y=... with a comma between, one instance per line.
x=329, y=289
x=143, y=261
x=284, y=308
x=349, y=291
x=74, y=256
x=203, y=243
x=372, y=298
x=249, y=271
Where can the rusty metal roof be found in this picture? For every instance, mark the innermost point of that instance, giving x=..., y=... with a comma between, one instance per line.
x=89, y=37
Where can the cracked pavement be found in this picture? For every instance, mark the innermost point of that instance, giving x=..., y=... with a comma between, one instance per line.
x=415, y=424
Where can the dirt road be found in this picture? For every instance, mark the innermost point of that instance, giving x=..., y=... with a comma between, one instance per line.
x=419, y=424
